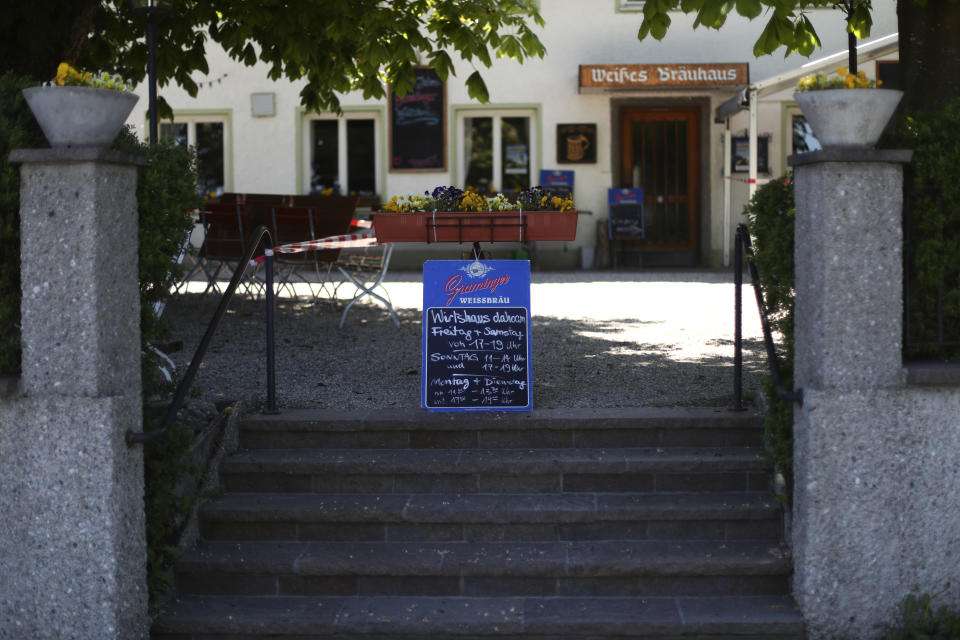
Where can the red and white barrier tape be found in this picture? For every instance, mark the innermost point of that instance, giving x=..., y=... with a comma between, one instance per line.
x=365, y=239
x=748, y=180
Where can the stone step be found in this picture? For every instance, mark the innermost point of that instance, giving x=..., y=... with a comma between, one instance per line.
x=551, y=428
x=403, y=525
x=491, y=517
x=467, y=618
x=487, y=569
x=662, y=470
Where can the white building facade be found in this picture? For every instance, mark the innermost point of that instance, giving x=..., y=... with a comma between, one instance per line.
x=615, y=111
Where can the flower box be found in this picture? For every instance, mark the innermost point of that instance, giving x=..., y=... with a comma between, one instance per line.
x=449, y=226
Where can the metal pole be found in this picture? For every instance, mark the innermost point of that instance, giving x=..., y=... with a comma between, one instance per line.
x=152, y=74
x=271, y=360
x=727, y=192
x=738, y=322
x=752, y=186
x=852, y=52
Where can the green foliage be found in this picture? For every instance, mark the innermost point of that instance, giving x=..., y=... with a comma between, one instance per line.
x=18, y=130
x=36, y=36
x=787, y=23
x=164, y=469
x=933, y=231
x=166, y=191
x=920, y=621
x=771, y=222
x=333, y=46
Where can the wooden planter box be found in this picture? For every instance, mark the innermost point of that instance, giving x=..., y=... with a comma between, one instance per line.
x=447, y=226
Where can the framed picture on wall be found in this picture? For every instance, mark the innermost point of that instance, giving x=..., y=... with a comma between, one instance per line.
x=740, y=154
x=576, y=143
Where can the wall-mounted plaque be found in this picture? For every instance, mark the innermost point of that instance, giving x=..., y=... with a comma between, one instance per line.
x=576, y=143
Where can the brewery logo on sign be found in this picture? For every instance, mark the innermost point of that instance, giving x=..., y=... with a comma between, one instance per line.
x=476, y=269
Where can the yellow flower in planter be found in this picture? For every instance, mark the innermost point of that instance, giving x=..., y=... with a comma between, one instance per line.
x=474, y=202
x=68, y=76
x=470, y=200
x=844, y=80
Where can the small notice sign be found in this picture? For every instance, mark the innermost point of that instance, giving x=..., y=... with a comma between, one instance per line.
x=476, y=335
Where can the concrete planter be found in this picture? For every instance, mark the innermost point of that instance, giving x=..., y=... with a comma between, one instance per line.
x=848, y=117
x=79, y=116
x=447, y=226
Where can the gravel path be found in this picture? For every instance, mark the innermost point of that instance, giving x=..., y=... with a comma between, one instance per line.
x=600, y=339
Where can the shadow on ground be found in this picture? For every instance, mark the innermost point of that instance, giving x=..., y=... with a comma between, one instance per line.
x=371, y=363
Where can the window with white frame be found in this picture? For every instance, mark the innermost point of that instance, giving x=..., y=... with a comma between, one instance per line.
x=497, y=149
x=208, y=134
x=342, y=154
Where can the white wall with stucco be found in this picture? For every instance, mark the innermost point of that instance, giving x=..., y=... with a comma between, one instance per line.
x=266, y=156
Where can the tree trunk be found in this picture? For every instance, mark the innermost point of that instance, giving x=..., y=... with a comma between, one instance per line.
x=929, y=53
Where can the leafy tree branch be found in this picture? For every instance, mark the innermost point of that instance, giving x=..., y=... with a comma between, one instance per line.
x=334, y=46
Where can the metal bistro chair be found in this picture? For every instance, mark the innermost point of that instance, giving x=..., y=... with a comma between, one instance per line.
x=292, y=225
x=332, y=216
x=223, y=241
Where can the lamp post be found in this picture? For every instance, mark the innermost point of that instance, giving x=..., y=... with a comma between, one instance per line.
x=151, y=9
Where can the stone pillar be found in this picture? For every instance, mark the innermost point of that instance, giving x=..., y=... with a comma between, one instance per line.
x=848, y=463
x=72, y=537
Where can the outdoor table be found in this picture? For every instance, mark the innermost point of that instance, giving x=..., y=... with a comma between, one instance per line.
x=365, y=238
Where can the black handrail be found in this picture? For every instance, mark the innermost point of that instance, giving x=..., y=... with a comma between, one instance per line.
x=259, y=233
x=744, y=247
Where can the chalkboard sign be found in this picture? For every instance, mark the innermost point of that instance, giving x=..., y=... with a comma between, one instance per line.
x=418, y=125
x=476, y=335
x=626, y=213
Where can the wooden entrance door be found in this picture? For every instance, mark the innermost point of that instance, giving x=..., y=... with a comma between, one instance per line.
x=660, y=153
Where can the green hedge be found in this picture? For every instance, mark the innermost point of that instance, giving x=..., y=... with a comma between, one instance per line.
x=770, y=214
x=166, y=191
x=932, y=231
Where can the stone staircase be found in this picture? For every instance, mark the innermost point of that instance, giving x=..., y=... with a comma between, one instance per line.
x=573, y=523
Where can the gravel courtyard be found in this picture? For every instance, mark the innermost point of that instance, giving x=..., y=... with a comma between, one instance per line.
x=600, y=339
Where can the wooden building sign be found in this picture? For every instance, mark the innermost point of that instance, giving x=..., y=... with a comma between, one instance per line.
x=664, y=76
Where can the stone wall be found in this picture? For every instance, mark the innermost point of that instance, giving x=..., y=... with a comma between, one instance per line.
x=876, y=461
x=72, y=547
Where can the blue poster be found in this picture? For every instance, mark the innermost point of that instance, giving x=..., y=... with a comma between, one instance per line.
x=476, y=336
